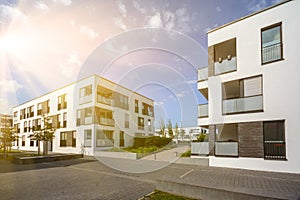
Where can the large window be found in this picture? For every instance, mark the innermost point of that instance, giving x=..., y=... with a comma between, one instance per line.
x=88, y=138
x=68, y=139
x=141, y=123
x=86, y=91
x=126, y=121
x=136, y=106
x=271, y=43
x=62, y=102
x=23, y=140
x=274, y=140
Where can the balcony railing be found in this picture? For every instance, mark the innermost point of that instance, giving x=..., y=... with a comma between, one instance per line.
x=104, y=142
x=225, y=66
x=105, y=100
x=203, y=74
x=271, y=53
x=85, y=99
x=274, y=150
x=203, y=110
x=199, y=148
x=107, y=121
x=240, y=105
x=87, y=142
x=226, y=148
x=88, y=120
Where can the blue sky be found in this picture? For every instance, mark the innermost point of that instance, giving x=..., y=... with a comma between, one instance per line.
x=152, y=47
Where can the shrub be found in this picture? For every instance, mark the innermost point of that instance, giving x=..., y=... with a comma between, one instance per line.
x=153, y=141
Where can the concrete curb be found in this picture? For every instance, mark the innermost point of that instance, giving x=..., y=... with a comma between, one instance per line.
x=48, y=158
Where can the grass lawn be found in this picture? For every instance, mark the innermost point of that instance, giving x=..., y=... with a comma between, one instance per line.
x=158, y=195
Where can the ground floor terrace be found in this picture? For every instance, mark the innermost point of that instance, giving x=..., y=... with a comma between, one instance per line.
x=259, y=145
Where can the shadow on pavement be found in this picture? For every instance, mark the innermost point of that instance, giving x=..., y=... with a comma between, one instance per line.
x=6, y=166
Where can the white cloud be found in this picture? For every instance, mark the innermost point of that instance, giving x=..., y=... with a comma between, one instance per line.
x=74, y=59
x=254, y=6
x=5, y=107
x=41, y=6
x=69, y=67
x=119, y=23
x=63, y=2
x=122, y=9
x=158, y=103
x=9, y=86
x=7, y=13
x=154, y=21
x=88, y=31
x=218, y=8
x=137, y=6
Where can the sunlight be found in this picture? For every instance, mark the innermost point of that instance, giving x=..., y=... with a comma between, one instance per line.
x=13, y=44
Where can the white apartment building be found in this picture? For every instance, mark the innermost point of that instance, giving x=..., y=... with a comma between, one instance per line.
x=252, y=88
x=90, y=115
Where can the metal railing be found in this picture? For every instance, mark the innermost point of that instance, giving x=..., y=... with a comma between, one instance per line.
x=105, y=100
x=274, y=150
x=226, y=148
x=271, y=53
x=203, y=74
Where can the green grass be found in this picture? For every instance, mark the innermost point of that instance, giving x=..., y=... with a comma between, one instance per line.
x=186, y=154
x=158, y=195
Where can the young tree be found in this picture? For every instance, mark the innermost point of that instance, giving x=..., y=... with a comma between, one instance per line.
x=162, y=127
x=176, y=130
x=45, y=133
x=8, y=136
x=170, y=128
x=182, y=133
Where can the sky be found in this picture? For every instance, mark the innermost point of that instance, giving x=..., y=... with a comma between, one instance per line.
x=152, y=47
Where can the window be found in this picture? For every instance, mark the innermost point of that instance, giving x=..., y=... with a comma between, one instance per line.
x=274, y=140
x=86, y=91
x=88, y=138
x=271, y=43
x=65, y=120
x=126, y=120
x=122, y=140
x=149, y=125
x=104, y=138
x=62, y=102
x=39, y=107
x=23, y=140
x=141, y=123
x=136, y=106
x=16, y=114
x=78, y=118
x=31, y=142
x=23, y=114
x=25, y=126
x=31, y=111
x=59, y=121
x=63, y=139
x=39, y=126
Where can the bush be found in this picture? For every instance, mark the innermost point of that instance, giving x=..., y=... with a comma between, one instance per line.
x=186, y=154
x=153, y=141
x=202, y=138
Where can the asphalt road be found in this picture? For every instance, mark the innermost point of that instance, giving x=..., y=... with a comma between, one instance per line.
x=85, y=178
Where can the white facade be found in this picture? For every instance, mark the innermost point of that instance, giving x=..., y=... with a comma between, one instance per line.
x=255, y=91
x=89, y=115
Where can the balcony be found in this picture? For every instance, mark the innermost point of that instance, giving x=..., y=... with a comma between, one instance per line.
x=88, y=120
x=203, y=110
x=199, y=148
x=203, y=74
x=107, y=121
x=102, y=99
x=240, y=105
x=226, y=148
x=226, y=65
x=104, y=143
x=85, y=99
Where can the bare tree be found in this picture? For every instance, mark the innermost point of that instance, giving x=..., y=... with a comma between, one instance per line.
x=162, y=127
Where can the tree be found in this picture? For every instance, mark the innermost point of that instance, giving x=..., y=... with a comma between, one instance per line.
x=162, y=127
x=45, y=133
x=176, y=130
x=8, y=136
x=170, y=128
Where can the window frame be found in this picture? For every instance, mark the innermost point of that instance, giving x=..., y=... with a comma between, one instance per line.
x=279, y=24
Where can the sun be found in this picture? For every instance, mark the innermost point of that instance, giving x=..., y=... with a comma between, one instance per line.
x=12, y=44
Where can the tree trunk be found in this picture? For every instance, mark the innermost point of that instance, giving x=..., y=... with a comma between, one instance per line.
x=39, y=147
x=45, y=143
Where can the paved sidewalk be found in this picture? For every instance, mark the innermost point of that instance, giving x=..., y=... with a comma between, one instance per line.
x=170, y=155
x=225, y=183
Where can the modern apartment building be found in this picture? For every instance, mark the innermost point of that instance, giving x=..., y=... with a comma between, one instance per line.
x=90, y=115
x=5, y=125
x=251, y=85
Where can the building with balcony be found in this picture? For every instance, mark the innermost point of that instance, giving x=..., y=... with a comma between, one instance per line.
x=90, y=115
x=5, y=127
x=251, y=85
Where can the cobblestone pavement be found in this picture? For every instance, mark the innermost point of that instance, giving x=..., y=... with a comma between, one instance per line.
x=88, y=178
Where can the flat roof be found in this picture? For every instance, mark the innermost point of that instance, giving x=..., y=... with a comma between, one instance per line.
x=96, y=75
x=250, y=15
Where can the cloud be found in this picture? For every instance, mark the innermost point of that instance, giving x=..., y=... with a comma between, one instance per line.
x=88, y=31
x=254, y=6
x=5, y=107
x=9, y=86
x=63, y=2
x=158, y=103
x=41, y=6
x=70, y=66
x=137, y=6
x=7, y=13
x=178, y=20
x=218, y=8
x=210, y=28
x=192, y=81
x=276, y=1
x=122, y=9
x=119, y=23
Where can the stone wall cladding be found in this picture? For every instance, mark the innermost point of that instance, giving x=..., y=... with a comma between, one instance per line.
x=211, y=140
x=250, y=136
